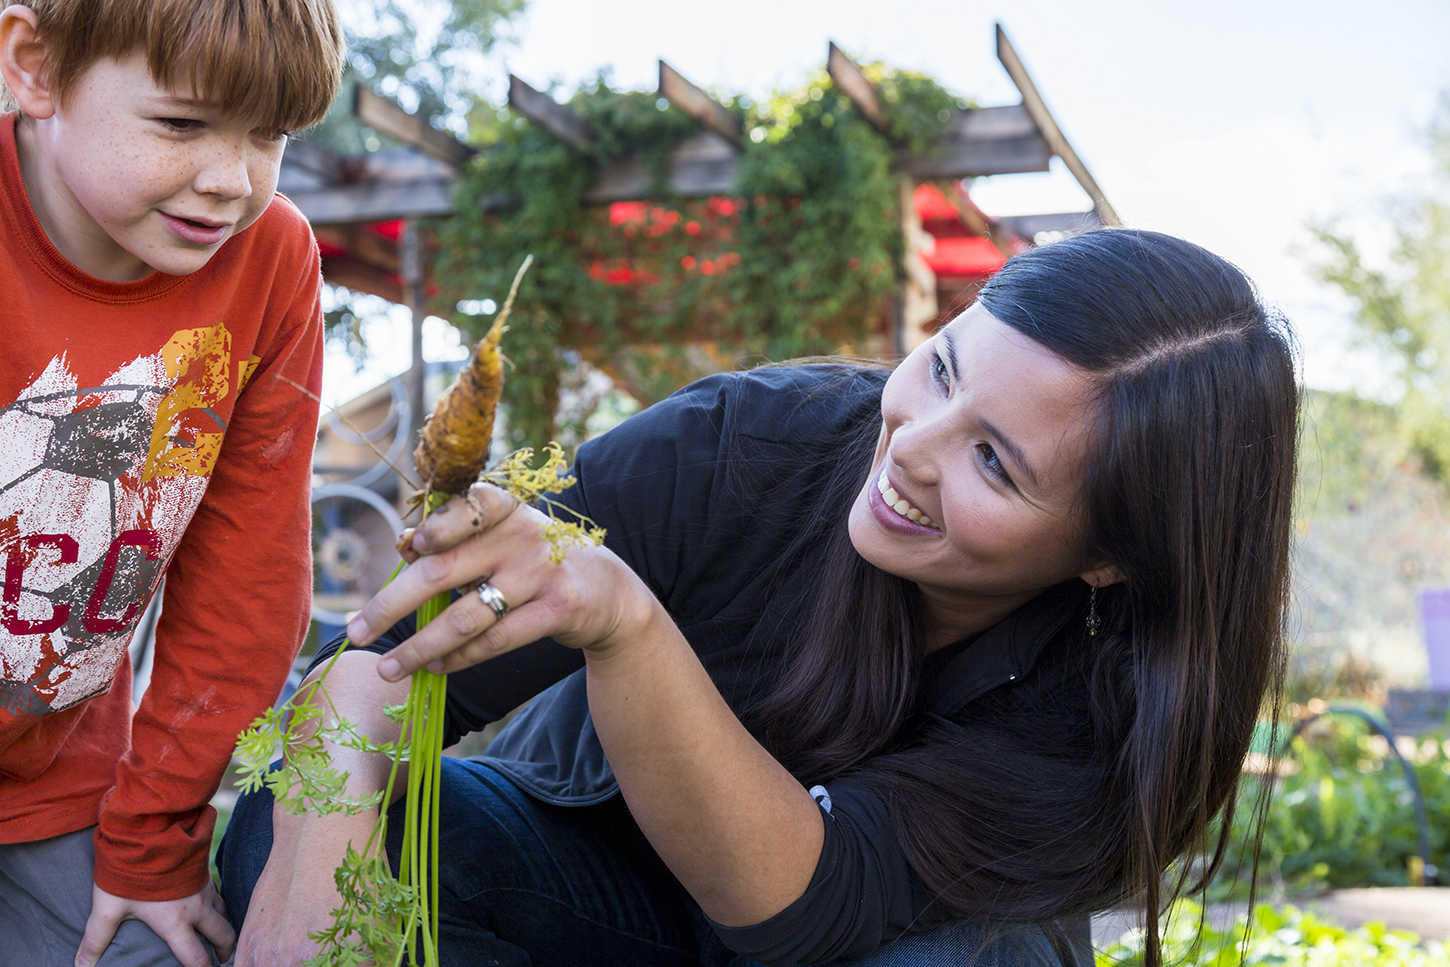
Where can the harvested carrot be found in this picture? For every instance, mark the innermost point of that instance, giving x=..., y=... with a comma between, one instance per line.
x=453, y=446
x=384, y=919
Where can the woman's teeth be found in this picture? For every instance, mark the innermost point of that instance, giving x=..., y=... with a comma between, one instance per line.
x=899, y=504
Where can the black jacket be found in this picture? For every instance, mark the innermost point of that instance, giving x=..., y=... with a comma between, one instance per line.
x=682, y=489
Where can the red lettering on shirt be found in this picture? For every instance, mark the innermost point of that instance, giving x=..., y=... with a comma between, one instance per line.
x=19, y=555
x=92, y=619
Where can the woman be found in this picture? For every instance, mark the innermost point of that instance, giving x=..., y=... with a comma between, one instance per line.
x=981, y=644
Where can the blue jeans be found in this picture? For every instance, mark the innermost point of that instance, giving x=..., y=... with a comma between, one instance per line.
x=527, y=883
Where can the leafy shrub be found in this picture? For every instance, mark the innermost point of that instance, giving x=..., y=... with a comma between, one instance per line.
x=1286, y=936
x=1343, y=813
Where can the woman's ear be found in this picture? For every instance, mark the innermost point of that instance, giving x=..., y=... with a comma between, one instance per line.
x=22, y=61
x=1101, y=577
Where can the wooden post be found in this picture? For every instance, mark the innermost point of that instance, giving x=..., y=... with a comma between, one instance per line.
x=848, y=77
x=1035, y=106
x=919, y=307
x=415, y=292
x=550, y=115
x=710, y=114
x=378, y=112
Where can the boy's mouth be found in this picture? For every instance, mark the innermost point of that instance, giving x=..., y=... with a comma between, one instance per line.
x=200, y=223
x=197, y=231
x=900, y=504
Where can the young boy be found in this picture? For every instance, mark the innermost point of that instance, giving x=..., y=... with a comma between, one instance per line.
x=159, y=315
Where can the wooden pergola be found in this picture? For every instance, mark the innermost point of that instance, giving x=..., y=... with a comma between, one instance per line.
x=364, y=210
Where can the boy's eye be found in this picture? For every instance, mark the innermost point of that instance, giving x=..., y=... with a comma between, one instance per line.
x=181, y=124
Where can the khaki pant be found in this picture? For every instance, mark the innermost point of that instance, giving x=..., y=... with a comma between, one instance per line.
x=45, y=899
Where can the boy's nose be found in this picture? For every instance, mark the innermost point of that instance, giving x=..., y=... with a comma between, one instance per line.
x=225, y=173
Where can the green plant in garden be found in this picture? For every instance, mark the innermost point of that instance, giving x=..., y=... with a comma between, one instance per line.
x=801, y=258
x=1343, y=814
x=1286, y=936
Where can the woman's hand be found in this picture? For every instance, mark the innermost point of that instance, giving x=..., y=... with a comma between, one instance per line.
x=737, y=830
x=591, y=600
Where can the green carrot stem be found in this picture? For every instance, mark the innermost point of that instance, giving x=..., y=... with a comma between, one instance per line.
x=419, y=861
x=408, y=865
x=440, y=698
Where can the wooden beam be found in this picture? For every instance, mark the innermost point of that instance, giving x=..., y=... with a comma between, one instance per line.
x=1040, y=229
x=323, y=162
x=386, y=116
x=560, y=121
x=1033, y=103
x=401, y=165
x=981, y=141
x=362, y=244
x=848, y=77
x=975, y=219
x=360, y=277
x=375, y=201
x=701, y=166
x=968, y=214
x=707, y=112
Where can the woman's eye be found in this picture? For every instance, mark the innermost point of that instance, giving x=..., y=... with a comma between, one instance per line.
x=938, y=370
x=991, y=463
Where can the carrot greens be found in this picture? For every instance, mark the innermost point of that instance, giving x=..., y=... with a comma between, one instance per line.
x=384, y=918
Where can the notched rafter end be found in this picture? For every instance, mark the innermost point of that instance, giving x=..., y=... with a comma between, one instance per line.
x=707, y=112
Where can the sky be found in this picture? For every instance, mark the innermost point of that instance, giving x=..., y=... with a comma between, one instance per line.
x=1233, y=124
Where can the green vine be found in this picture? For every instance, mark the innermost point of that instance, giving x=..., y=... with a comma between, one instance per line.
x=801, y=258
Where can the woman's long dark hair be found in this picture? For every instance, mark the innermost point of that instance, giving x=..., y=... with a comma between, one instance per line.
x=1080, y=785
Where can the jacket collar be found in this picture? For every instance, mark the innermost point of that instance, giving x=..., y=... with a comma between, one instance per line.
x=1004, y=652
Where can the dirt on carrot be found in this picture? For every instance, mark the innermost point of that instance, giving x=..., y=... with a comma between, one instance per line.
x=453, y=445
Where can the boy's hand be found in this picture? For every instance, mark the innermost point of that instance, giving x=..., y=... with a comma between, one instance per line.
x=176, y=921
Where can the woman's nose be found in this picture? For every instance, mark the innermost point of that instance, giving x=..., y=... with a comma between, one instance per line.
x=916, y=448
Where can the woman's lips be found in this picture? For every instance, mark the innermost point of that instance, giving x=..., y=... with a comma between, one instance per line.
x=896, y=511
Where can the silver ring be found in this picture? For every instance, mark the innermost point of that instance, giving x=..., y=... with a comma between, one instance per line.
x=494, y=598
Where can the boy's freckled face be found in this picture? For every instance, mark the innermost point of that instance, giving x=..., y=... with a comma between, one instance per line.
x=131, y=176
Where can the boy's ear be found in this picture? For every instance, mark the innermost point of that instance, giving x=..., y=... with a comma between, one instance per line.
x=1102, y=576
x=22, y=61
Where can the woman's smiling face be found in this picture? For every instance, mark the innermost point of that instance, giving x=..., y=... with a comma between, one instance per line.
x=974, y=489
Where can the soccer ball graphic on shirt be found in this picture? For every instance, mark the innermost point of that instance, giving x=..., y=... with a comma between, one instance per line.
x=97, y=485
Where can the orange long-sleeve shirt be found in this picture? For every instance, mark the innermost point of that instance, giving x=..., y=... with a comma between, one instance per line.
x=147, y=428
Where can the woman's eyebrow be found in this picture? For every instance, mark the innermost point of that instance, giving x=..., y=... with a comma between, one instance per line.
x=1013, y=451
x=949, y=337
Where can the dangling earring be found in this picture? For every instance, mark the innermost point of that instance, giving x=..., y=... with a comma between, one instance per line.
x=1093, y=621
